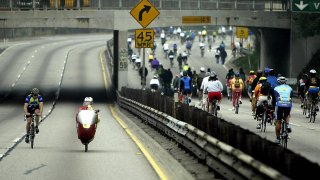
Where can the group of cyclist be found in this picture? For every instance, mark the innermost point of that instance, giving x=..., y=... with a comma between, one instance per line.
x=262, y=86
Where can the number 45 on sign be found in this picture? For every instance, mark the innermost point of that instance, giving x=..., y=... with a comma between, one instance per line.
x=144, y=38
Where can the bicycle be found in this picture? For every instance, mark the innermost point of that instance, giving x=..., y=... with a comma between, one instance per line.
x=186, y=100
x=264, y=117
x=32, y=130
x=313, y=111
x=214, y=107
x=202, y=51
x=284, y=133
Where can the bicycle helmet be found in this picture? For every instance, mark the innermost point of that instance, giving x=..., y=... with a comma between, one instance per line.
x=251, y=72
x=213, y=74
x=236, y=74
x=282, y=80
x=35, y=91
x=267, y=70
x=312, y=71
x=305, y=76
x=262, y=78
x=88, y=99
x=259, y=72
x=202, y=69
x=185, y=73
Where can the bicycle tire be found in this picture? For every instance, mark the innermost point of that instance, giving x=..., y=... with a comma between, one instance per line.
x=263, y=122
x=314, y=116
x=32, y=135
x=284, y=134
x=237, y=106
x=214, y=108
x=86, y=147
x=31, y=141
x=311, y=112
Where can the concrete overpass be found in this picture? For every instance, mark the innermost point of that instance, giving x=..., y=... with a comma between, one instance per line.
x=275, y=27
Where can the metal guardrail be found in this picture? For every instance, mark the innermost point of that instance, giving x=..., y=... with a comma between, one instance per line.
x=252, y=5
x=230, y=162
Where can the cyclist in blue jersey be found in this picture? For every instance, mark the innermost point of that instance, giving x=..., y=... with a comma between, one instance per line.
x=283, y=95
x=33, y=104
x=312, y=89
x=185, y=85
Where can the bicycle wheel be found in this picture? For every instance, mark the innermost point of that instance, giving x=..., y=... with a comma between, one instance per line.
x=263, y=121
x=312, y=111
x=31, y=141
x=314, y=116
x=237, y=106
x=284, y=134
x=86, y=147
x=32, y=134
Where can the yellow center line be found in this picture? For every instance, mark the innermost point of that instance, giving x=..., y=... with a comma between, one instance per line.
x=146, y=153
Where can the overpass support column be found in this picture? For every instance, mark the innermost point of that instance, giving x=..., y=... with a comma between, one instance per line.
x=275, y=50
x=120, y=48
x=302, y=49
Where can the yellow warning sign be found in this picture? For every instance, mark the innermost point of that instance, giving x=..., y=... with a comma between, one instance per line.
x=144, y=13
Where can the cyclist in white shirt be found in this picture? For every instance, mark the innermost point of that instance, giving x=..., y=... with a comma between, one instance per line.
x=214, y=88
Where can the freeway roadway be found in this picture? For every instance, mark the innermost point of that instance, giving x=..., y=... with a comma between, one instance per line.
x=66, y=69
x=304, y=138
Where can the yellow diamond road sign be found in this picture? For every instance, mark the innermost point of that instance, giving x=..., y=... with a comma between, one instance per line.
x=144, y=13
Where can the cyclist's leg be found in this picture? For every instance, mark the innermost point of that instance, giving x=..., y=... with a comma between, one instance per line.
x=286, y=114
x=309, y=100
x=234, y=94
x=279, y=112
x=28, y=119
x=210, y=99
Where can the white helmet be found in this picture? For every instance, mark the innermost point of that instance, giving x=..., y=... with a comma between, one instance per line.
x=282, y=80
x=88, y=99
x=202, y=69
x=312, y=71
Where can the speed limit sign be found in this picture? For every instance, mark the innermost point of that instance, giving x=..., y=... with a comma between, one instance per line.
x=242, y=32
x=144, y=38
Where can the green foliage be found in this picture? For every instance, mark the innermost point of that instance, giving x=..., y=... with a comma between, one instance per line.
x=244, y=62
x=309, y=24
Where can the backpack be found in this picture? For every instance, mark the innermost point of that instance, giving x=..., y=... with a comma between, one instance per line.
x=265, y=86
x=237, y=83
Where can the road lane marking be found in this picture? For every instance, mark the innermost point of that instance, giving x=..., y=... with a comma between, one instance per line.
x=144, y=150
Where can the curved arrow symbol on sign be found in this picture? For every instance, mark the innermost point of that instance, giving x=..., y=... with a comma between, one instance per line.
x=145, y=9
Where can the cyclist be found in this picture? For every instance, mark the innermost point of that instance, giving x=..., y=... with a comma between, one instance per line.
x=204, y=101
x=283, y=95
x=185, y=86
x=33, y=104
x=154, y=83
x=175, y=49
x=250, y=79
x=236, y=86
x=312, y=89
x=261, y=93
x=229, y=77
x=88, y=105
x=253, y=86
x=214, y=88
x=301, y=86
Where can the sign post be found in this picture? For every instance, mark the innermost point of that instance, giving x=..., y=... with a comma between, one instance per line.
x=144, y=13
